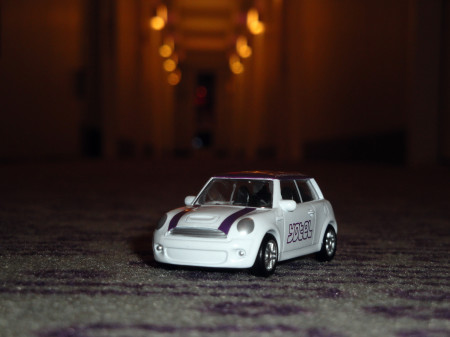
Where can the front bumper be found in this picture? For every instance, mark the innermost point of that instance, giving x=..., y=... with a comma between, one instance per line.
x=205, y=252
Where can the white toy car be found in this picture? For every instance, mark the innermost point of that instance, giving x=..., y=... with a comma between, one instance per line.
x=250, y=219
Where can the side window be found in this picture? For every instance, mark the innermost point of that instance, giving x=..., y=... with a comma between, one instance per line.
x=306, y=190
x=289, y=191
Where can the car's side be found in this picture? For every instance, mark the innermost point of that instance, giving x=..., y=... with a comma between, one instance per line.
x=303, y=226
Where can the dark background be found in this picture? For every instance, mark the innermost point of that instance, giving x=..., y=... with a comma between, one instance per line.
x=340, y=80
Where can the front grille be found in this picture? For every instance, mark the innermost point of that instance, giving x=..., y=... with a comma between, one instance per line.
x=199, y=232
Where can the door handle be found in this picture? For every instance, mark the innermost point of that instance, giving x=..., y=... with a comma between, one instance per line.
x=311, y=212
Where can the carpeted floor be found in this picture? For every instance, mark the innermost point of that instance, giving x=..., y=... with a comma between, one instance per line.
x=76, y=260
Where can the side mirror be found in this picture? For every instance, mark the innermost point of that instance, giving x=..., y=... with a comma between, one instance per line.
x=188, y=201
x=288, y=205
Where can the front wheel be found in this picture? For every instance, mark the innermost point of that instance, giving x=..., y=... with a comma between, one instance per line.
x=329, y=244
x=267, y=258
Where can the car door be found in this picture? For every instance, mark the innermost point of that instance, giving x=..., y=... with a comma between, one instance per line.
x=299, y=224
x=313, y=204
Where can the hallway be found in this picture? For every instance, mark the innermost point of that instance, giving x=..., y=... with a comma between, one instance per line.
x=280, y=79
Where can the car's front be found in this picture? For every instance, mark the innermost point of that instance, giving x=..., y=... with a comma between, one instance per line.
x=222, y=227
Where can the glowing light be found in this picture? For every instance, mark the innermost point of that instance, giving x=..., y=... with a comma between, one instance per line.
x=236, y=65
x=167, y=48
x=233, y=59
x=161, y=11
x=242, y=47
x=158, y=21
x=254, y=25
x=252, y=15
x=237, y=68
x=169, y=65
x=174, y=78
x=257, y=28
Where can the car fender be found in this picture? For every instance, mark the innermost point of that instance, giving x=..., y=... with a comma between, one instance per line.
x=264, y=224
x=329, y=221
x=170, y=214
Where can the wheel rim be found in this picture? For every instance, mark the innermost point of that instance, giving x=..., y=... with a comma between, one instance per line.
x=330, y=243
x=270, y=255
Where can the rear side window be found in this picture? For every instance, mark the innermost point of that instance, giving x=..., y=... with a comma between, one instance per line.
x=306, y=190
x=289, y=191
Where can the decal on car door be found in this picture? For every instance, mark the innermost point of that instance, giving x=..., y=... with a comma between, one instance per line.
x=299, y=227
x=299, y=231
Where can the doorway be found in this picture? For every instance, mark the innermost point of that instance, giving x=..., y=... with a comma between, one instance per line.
x=204, y=107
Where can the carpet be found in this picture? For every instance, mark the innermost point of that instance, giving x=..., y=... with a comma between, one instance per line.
x=76, y=259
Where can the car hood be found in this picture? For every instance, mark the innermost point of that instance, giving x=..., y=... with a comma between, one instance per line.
x=214, y=217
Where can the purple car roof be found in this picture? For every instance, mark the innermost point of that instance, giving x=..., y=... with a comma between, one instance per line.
x=263, y=175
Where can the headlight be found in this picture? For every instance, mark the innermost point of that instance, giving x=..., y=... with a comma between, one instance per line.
x=245, y=226
x=162, y=221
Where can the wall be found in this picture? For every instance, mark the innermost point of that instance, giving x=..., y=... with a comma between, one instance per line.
x=322, y=73
x=444, y=111
x=41, y=93
x=345, y=68
x=82, y=78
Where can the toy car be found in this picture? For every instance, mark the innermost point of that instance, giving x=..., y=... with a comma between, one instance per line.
x=250, y=219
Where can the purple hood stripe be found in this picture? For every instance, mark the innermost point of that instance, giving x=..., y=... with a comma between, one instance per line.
x=174, y=222
x=226, y=224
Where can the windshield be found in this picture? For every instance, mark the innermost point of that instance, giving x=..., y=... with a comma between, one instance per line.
x=238, y=192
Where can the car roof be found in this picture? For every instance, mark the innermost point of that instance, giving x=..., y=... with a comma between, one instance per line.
x=265, y=174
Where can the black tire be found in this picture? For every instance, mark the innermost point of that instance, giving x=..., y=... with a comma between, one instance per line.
x=329, y=245
x=267, y=258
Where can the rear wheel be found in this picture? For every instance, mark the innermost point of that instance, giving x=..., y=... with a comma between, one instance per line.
x=267, y=258
x=329, y=244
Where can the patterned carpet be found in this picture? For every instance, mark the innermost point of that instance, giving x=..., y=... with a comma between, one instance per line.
x=76, y=260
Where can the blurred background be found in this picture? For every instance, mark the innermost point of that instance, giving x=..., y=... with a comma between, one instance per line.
x=283, y=79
